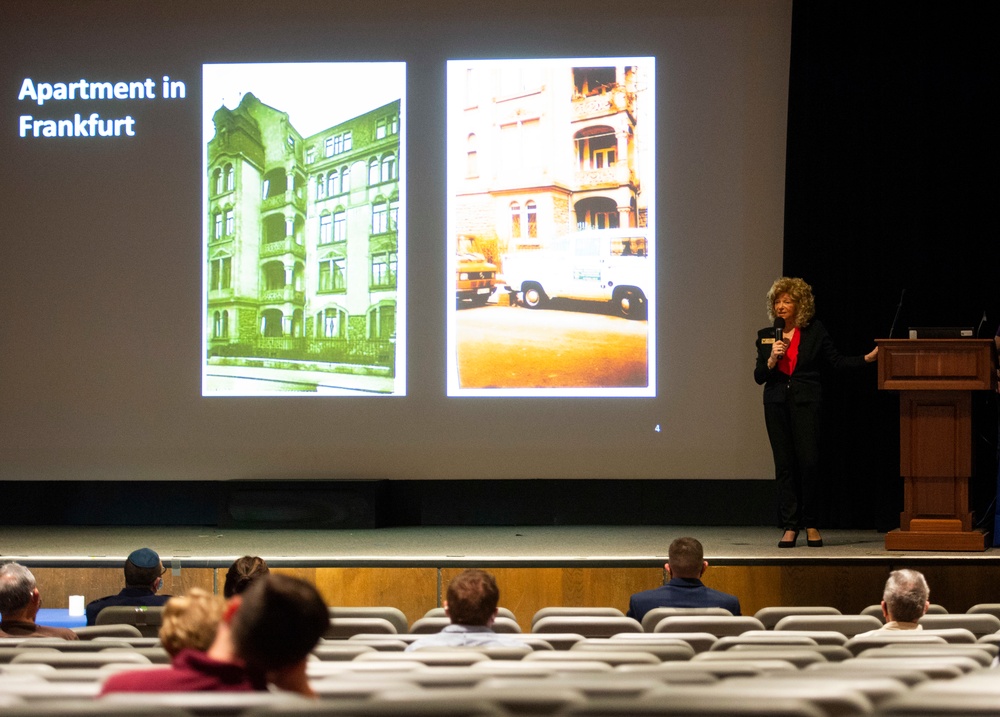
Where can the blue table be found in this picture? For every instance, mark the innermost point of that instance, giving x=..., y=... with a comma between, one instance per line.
x=59, y=617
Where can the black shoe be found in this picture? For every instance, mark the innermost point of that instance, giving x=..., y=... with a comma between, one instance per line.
x=789, y=543
x=813, y=543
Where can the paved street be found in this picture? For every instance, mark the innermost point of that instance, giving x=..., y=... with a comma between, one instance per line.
x=571, y=345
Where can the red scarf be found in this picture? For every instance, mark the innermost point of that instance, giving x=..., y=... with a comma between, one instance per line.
x=787, y=363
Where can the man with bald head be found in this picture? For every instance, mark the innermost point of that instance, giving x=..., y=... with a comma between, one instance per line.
x=685, y=565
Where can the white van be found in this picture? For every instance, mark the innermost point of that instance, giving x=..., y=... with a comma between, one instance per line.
x=593, y=264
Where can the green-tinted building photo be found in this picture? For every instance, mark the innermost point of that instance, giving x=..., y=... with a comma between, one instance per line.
x=302, y=253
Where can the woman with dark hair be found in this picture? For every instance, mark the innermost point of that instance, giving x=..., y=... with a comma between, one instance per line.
x=790, y=365
x=243, y=572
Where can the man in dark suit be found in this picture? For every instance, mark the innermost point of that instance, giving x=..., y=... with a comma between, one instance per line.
x=143, y=571
x=686, y=564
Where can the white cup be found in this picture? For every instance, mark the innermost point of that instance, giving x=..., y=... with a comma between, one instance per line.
x=76, y=605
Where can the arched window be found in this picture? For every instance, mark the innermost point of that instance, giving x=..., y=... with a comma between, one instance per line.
x=380, y=217
x=393, y=214
x=217, y=181
x=345, y=179
x=216, y=325
x=217, y=225
x=333, y=183
x=373, y=173
x=225, y=324
x=325, y=229
x=515, y=220
x=230, y=178
x=320, y=186
x=382, y=321
x=389, y=168
x=331, y=324
x=532, y=212
x=340, y=225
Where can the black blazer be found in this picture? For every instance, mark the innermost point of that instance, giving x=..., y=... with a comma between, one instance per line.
x=816, y=354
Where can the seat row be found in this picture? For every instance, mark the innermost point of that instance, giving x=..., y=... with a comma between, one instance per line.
x=632, y=674
x=606, y=621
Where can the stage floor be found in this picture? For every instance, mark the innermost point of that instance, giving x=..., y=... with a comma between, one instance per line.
x=527, y=546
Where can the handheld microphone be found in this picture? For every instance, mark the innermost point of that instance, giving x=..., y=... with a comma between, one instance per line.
x=779, y=329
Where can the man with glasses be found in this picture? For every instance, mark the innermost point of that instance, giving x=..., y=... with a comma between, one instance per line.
x=143, y=579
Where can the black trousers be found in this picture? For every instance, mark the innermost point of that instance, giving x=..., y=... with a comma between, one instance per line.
x=793, y=429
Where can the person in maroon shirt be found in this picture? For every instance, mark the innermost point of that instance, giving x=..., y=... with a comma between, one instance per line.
x=19, y=604
x=265, y=635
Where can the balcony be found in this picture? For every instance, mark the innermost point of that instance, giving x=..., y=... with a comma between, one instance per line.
x=284, y=295
x=608, y=103
x=282, y=200
x=605, y=178
x=284, y=245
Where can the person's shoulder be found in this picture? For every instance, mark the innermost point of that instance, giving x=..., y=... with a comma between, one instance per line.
x=156, y=680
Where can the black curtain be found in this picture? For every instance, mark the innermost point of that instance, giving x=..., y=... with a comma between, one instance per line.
x=891, y=185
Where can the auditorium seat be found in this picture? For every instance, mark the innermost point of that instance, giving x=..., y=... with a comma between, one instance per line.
x=556, y=640
x=57, y=643
x=146, y=619
x=769, y=616
x=559, y=611
x=208, y=704
x=342, y=652
x=921, y=703
x=754, y=637
x=876, y=611
x=341, y=628
x=861, y=643
x=859, y=669
x=95, y=708
x=587, y=625
x=985, y=608
x=933, y=666
x=849, y=625
x=699, y=641
x=609, y=657
x=696, y=704
x=70, y=660
x=983, y=657
x=679, y=651
x=978, y=624
x=120, y=630
x=431, y=657
x=392, y=614
x=501, y=612
x=717, y=625
x=831, y=653
x=800, y=657
x=652, y=617
x=429, y=625
x=820, y=637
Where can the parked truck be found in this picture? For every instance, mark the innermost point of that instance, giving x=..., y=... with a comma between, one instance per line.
x=474, y=276
x=610, y=265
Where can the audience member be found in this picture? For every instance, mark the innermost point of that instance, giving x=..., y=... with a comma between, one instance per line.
x=265, y=635
x=471, y=605
x=685, y=565
x=19, y=604
x=905, y=599
x=241, y=573
x=191, y=621
x=143, y=578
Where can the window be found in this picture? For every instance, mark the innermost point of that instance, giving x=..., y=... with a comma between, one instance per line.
x=332, y=275
x=320, y=187
x=386, y=126
x=345, y=179
x=373, y=175
x=338, y=144
x=217, y=181
x=230, y=222
x=340, y=226
x=217, y=230
x=515, y=220
x=383, y=274
x=310, y=155
x=326, y=229
x=264, y=187
x=291, y=141
x=230, y=178
x=380, y=218
x=220, y=324
x=382, y=321
x=333, y=183
x=532, y=211
x=394, y=215
x=328, y=147
x=471, y=157
x=221, y=273
x=331, y=324
x=389, y=168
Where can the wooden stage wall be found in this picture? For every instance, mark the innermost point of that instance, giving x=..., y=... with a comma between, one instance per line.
x=415, y=590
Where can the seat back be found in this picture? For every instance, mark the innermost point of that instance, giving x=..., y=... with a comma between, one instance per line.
x=849, y=625
x=341, y=628
x=557, y=611
x=713, y=624
x=770, y=615
x=652, y=617
x=393, y=614
x=147, y=619
x=978, y=624
x=587, y=625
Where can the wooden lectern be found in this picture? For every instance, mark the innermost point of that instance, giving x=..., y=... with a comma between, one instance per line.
x=936, y=378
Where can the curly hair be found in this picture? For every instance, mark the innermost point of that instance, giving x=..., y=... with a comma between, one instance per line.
x=802, y=295
x=191, y=621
